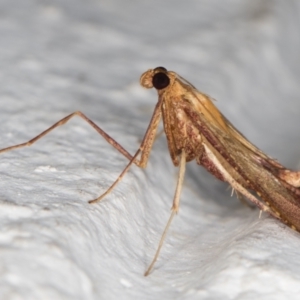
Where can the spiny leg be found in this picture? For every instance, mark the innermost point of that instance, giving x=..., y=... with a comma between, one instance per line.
x=175, y=208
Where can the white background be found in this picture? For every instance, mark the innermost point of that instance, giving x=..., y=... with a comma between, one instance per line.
x=57, y=57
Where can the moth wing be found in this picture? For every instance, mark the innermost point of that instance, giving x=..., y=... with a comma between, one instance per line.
x=204, y=104
x=246, y=159
x=239, y=136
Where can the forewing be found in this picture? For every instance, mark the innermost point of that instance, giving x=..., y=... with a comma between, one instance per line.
x=250, y=163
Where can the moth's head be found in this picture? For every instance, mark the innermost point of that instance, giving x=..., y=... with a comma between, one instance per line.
x=158, y=78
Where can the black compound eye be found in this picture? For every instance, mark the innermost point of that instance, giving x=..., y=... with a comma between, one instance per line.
x=160, y=80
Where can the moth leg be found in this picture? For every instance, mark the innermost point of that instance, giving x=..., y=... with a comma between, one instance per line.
x=149, y=136
x=175, y=208
x=145, y=148
x=110, y=140
x=158, y=135
x=146, y=143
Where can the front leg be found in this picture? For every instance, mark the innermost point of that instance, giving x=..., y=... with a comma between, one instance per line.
x=145, y=149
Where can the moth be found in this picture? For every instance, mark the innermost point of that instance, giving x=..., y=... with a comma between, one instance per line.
x=196, y=130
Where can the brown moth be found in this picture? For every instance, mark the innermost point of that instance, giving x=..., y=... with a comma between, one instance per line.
x=195, y=129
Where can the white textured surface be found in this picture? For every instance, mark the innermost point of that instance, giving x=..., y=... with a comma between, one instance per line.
x=60, y=56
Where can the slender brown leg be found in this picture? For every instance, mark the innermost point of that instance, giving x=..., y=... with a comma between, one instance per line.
x=175, y=208
x=110, y=140
x=145, y=147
